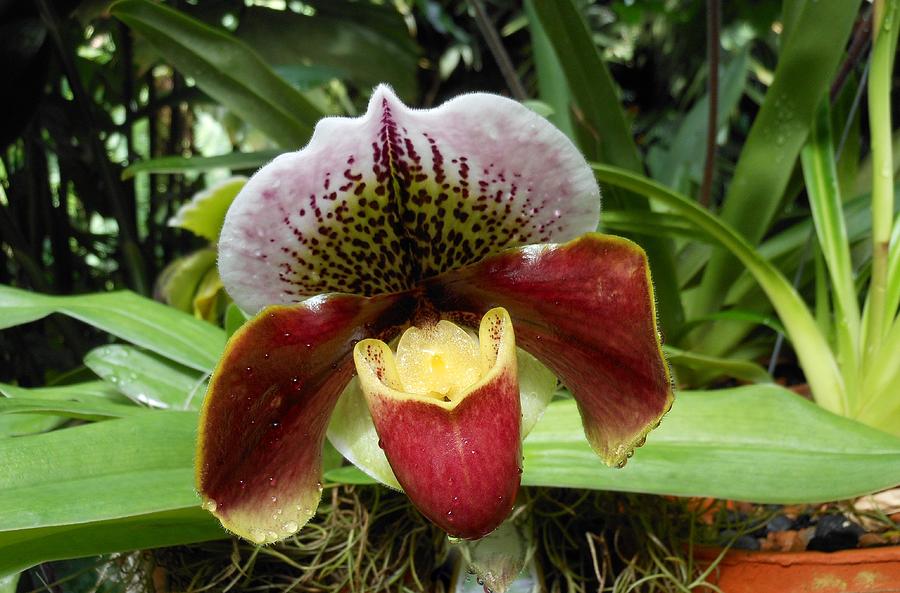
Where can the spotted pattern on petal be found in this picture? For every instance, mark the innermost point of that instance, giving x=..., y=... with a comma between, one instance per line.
x=377, y=203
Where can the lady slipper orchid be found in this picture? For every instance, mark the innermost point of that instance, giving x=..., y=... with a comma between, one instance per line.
x=427, y=226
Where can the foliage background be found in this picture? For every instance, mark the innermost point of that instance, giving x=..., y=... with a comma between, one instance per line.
x=90, y=98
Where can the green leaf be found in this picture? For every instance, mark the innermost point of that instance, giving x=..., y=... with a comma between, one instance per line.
x=712, y=366
x=109, y=486
x=236, y=161
x=23, y=424
x=147, y=378
x=22, y=549
x=234, y=319
x=357, y=51
x=225, y=68
x=141, y=321
x=812, y=348
x=804, y=72
x=551, y=81
x=820, y=172
x=97, y=472
x=759, y=443
x=9, y=583
x=678, y=163
x=605, y=133
x=81, y=410
x=204, y=214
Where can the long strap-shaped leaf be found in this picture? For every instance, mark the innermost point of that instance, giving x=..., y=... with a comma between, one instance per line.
x=141, y=321
x=820, y=172
x=805, y=67
x=605, y=134
x=812, y=348
x=227, y=69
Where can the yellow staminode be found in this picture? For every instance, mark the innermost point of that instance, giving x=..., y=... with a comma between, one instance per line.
x=439, y=361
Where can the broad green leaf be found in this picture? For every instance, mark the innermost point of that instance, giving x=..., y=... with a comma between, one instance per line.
x=141, y=321
x=204, y=214
x=21, y=424
x=225, y=68
x=97, y=472
x=9, y=583
x=759, y=443
x=236, y=161
x=802, y=77
x=74, y=392
x=22, y=549
x=147, y=378
x=81, y=410
x=605, y=134
x=812, y=348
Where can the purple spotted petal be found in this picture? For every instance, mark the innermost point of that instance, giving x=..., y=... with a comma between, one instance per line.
x=377, y=203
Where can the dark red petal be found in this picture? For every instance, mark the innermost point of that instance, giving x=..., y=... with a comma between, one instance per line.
x=585, y=309
x=459, y=462
x=264, y=418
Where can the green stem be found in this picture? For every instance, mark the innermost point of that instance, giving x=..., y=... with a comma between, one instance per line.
x=885, y=39
x=816, y=359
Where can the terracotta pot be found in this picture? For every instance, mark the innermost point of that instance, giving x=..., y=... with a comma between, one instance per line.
x=866, y=570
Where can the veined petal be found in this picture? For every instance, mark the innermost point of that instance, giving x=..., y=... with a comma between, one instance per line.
x=263, y=421
x=457, y=456
x=374, y=204
x=586, y=310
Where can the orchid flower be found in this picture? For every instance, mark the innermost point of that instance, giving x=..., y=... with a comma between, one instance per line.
x=466, y=231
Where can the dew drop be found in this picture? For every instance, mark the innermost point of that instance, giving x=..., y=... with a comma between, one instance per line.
x=287, y=334
x=266, y=356
x=248, y=370
x=210, y=505
x=622, y=463
x=290, y=527
x=271, y=535
x=319, y=486
x=272, y=481
x=275, y=424
x=455, y=499
x=380, y=444
x=519, y=470
x=257, y=535
x=274, y=499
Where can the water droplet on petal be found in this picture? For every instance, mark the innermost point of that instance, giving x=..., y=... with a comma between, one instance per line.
x=290, y=527
x=274, y=499
x=257, y=535
x=210, y=505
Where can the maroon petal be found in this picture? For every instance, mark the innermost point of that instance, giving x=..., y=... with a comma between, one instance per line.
x=264, y=418
x=586, y=310
x=458, y=456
